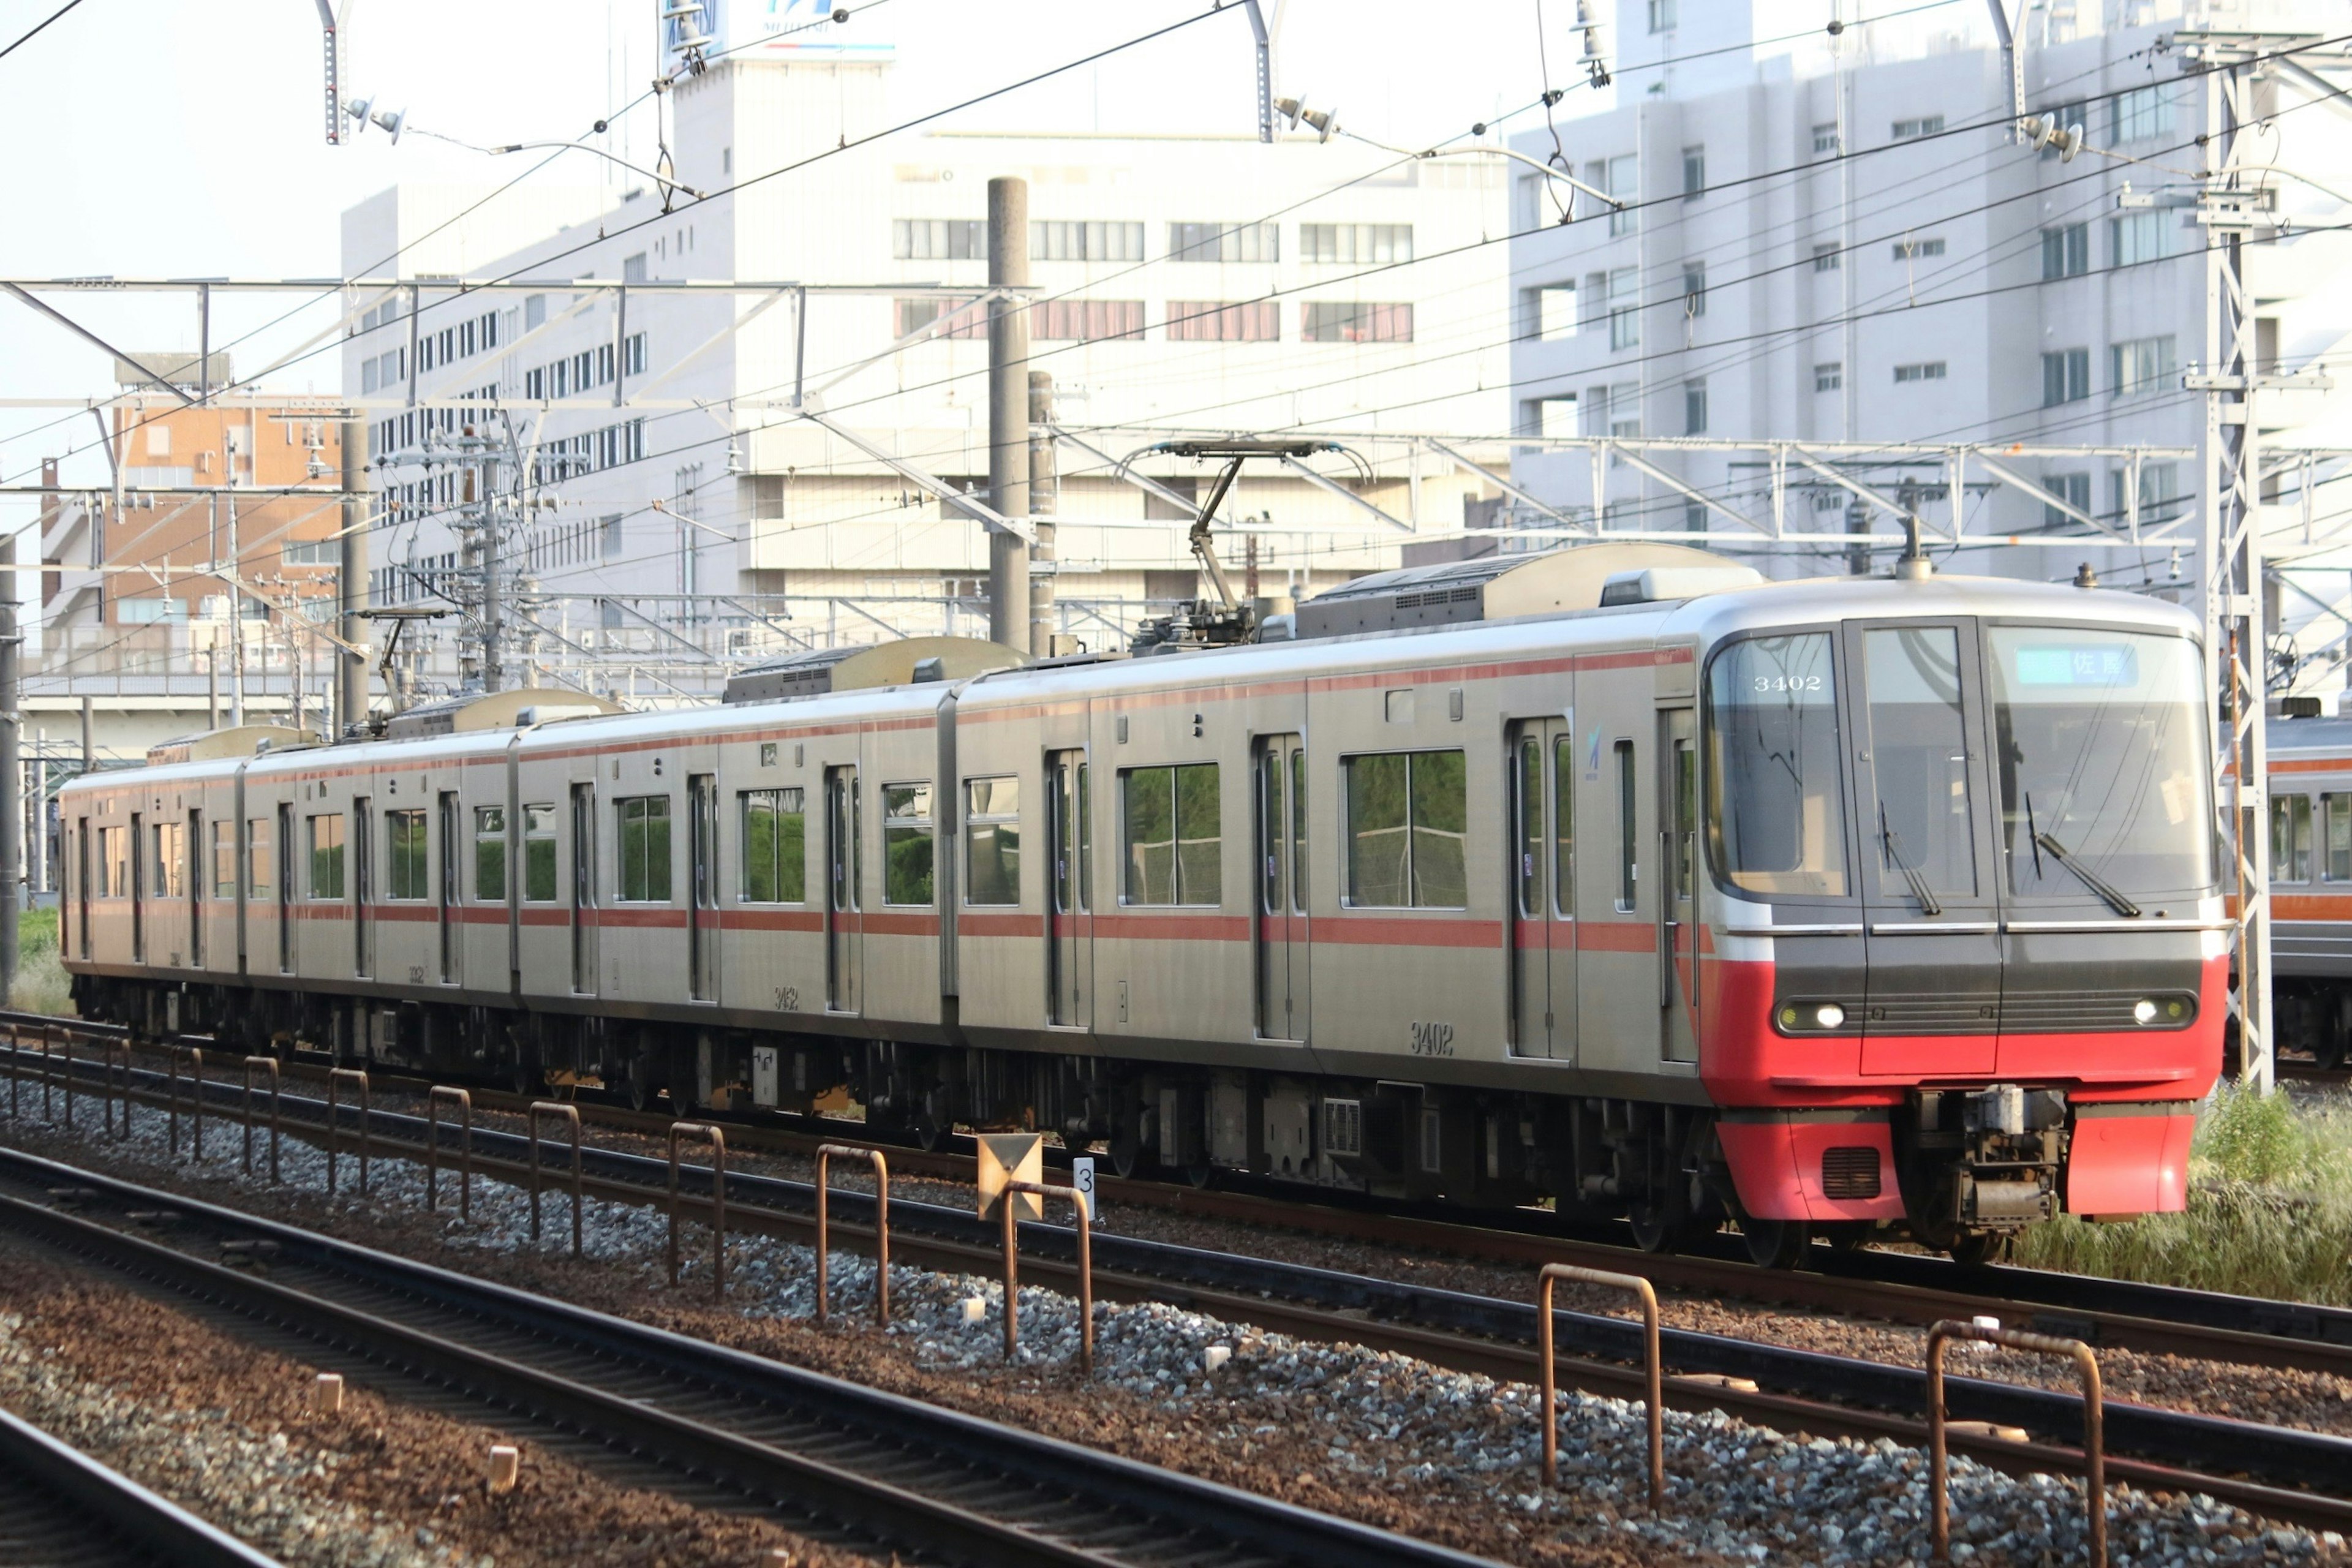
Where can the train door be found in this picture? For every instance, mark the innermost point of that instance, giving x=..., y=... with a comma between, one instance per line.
x=452, y=885
x=363, y=889
x=583, y=890
x=1283, y=957
x=1069, y=950
x=1542, y=775
x=1926, y=892
x=137, y=889
x=1678, y=925
x=285, y=870
x=841, y=987
x=702, y=887
x=192, y=870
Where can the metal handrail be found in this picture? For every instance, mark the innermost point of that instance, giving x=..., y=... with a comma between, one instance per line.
x=434, y=1098
x=1008, y=1208
x=824, y=1152
x=336, y=1076
x=2094, y=1459
x=1631, y=1284
x=250, y=1064
x=171, y=1098
x=717, y=1202
x=571, y=1114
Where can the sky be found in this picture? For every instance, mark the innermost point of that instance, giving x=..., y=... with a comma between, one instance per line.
x=156, y=138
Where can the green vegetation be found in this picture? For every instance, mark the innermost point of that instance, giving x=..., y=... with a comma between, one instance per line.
x=2270, y=1208
x=40, y=976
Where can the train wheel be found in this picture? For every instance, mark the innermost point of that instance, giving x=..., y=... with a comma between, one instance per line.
x=1656, y=1231
x=1847, y=1236
x=1776, y=1243
x=928, y=1132
x=1199, y=1173
x=1974, y=1248
x=1126, y=1153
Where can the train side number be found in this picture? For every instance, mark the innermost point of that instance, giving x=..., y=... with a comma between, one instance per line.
x=1433, y=1039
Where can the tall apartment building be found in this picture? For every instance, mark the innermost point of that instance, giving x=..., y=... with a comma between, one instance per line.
x=1183, y=284
x=1840, y=239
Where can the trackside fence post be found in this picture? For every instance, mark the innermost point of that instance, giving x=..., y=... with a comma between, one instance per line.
x=66, y=1039
x=718, y=1201
x=115, y=1088
x=336, y=1077
x=1085, y=1267
x=570, y=1114
x=1632, y=1285
x=824, y=1152
x=2094, y=1459
x=251, y=1065
x=434, y=1100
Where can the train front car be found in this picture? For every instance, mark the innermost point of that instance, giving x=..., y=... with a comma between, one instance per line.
x=1970, y=960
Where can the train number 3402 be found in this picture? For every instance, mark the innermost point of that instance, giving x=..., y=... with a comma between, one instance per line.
x=1433, y=1039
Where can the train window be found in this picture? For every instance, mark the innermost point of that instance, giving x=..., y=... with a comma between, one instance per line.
x=775, y=846
x=644, y=822
x=1563, y=824
x=327, y=854
x=408, y=874
x=171, y=842
x=2291, y=838
x=114, y=862
x=907, y=848
x=2336, y=812
x=992, y=816
x=1629, y=842
x=1776, y=799
x=1298, y=830
x=490, y=854
x=1527, y=793
x=260, y=870
x=538, y=854
x=1922, y=821
x=1085, y=837
x=1174, y=840
x=223, y=847
x=1407, y=827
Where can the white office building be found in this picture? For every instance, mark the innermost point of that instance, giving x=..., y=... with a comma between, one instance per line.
x=688, y=514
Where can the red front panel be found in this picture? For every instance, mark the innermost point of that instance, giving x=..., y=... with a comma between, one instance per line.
x=2129, y=1165
x=1777, y=1165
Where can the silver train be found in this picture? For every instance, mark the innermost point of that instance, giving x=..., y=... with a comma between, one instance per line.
x=1613, y=877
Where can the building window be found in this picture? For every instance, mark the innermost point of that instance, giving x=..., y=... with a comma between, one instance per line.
x=1825, y=259
x=1624, y=407
x=1407, y=829
x=327, y=854
x=1356, y=244
x=1059, y=239
x=490, y=854
x=644, y=823
x=1662, y=15
x=2136, y=238
x=633, y=268
x=2138, y=367
x=1694, y=171
x=1694, y=289
x=311, y=553
x=1912, y=130
x=1829, y=377
x=2066, y=376
x=1552, y=417
x=1225, y=242
x=2140, y=113
x=1695, y=406
x=404, y=841
x=775, y=846
x=2159, y=493
x=938, y=239
x=1932, y=370
x=1626, y=185
x=1347, y=322
x=633, y=353
x=2291, y=838
x=914, y=315
x=609, y=545
x=1172, y=836
x=1551, y=311
x=1085, y=321
x=906, y=853
x=2066, y=251
x=991, y=818
x=2074, y=489
x=1825, y=138
x=1912, y=250
x=1624, y=309
x=1207, y=321
x=538, y=854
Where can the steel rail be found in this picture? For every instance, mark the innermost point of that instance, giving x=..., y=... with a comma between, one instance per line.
x=62, y=1509
x=906, y=1472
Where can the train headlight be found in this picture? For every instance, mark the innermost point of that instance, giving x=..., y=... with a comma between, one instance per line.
x=2144, y=1010
x=1829, y=1015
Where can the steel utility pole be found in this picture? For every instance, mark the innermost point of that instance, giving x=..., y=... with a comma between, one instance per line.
x=350, y=582
x=1044, y=495
x=1008, y=409
x=12, y=770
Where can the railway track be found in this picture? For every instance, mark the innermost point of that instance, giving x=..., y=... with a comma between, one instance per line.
x=61, y=1509
x=904, y=1476
x=2276, y=1472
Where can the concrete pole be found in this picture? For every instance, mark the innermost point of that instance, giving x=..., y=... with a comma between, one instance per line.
x=350, y=581
x=1008, y=410
x=12, y=773
x=1045, y=495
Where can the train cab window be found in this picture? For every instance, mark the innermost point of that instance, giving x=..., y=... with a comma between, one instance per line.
x=906, y=847
x=644, y=822
x=2336, y=835
x=327, y=854
x=260, y=864
x=408, y=872
x=538, y=854
x=1629, y=839
x=223, y=859
x=1922, y=822
x=170, y=851
x=1407, y=829
x=1775, y=794
x=775, y=846
x=1173, y=840
x=2291, y=838
x=490, y=854
x=991, y=819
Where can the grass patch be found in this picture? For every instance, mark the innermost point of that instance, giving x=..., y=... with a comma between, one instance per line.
x=41, y=982
x=2270, y=1209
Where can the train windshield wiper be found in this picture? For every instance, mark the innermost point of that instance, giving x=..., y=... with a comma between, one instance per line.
x=1929, y=903
x=2091, y=879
